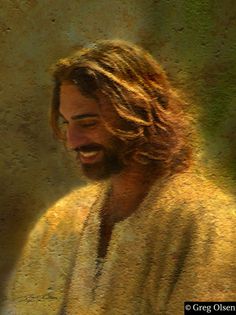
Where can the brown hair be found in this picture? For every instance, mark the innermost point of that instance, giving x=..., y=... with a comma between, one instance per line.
x=138, y=90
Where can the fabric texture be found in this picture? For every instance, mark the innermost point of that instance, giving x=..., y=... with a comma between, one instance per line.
x=177, y=246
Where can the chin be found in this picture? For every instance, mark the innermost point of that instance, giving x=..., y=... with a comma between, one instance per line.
x=101, y=171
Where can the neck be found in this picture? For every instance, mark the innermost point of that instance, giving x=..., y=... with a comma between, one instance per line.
x=130, y=187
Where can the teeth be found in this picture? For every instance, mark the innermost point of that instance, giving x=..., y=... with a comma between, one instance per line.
x=88, y=154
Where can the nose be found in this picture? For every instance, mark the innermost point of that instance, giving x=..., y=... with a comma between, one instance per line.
x=75, y=138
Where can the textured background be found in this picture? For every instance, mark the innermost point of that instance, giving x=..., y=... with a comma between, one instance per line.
x=194, y=40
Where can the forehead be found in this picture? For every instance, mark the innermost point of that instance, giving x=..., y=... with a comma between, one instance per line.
x=73, y=102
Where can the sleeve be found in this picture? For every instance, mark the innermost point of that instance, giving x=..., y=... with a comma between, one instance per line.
x=207, y=270
x=38, y=281
x=33, y=283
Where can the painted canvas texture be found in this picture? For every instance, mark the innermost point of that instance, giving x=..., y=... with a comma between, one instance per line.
x=177, y=246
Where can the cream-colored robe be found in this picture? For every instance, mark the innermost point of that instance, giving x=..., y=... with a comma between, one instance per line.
x=177, y=246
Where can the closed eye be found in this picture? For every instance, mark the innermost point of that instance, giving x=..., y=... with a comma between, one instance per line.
x=84, y=122
x=88, y=124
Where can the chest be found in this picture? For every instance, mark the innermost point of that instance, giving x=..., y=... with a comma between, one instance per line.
x=109, y=218
x=107, y=224
x=126, y=265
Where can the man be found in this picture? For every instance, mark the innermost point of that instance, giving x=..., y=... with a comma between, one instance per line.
x=145, y=237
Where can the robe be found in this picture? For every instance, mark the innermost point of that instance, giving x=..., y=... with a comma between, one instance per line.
x=177, y=246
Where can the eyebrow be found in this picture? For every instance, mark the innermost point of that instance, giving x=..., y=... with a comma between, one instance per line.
x=82, y=116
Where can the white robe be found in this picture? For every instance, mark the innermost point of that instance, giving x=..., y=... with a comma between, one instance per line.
x=177, y=246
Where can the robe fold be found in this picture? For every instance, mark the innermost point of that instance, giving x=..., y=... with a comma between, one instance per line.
x=176, y=247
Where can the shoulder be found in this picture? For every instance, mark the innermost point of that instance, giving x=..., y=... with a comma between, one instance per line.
x=71, y=210
x=203, y=231
x=190, y=204
x=45, y=259
x=193, y=222
x=193, y=190
x=62, y=222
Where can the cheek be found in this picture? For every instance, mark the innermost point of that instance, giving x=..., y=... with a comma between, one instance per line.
x=97, y=136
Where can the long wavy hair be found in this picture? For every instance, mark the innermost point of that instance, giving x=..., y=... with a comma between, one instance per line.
x=157, y=128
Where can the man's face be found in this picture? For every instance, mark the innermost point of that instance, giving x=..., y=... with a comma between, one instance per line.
x=98, y=153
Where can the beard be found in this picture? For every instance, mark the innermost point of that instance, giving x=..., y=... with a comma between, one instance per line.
x=111, y=162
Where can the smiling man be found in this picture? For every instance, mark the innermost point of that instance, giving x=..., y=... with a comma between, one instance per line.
x=143, y=236
x=96, y=151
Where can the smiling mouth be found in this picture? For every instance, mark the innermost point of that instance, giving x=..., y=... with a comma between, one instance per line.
x=89, y=157
x=88, y=154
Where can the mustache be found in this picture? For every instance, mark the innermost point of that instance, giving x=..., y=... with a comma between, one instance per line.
x=89, y=148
